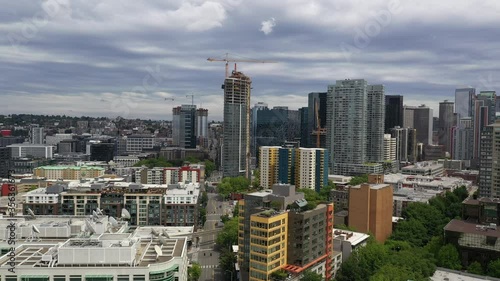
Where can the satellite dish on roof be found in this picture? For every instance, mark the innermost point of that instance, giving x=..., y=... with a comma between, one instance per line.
x=158, y=250
x=113, y=221
x=125, y=214
x=154, y=232
x=31, y=213
x=165, y=233
x=162, y=240
x=35, y=229
x=99, y=211
x=89, y=227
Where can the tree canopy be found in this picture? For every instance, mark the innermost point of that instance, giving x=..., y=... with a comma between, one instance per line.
x=230, y=185
x=194, y=272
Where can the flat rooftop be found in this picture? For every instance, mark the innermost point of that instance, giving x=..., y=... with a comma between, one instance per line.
x=453, y=275
x=354, y=237
x=472, y=228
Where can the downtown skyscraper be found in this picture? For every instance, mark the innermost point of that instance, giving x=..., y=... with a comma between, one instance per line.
x=236, y=143
x=183, y=126
x=355, y=127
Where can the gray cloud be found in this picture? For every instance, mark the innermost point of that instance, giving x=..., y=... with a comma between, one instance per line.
x=90, y=53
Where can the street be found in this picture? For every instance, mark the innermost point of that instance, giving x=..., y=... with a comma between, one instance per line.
x=205, y=253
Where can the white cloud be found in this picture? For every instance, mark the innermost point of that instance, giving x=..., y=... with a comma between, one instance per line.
x=268, y=25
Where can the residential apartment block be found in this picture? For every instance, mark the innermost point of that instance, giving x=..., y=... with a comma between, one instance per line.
x=302, y=167
x=276, y=232
x=68, y=172
x=370, y=207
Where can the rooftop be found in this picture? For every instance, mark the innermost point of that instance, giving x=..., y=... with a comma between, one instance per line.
x=472, y=228
x=354, y=237
x=70, y=168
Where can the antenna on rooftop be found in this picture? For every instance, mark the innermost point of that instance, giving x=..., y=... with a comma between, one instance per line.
x=89, y=227
x=158, y=251
x=34, y=234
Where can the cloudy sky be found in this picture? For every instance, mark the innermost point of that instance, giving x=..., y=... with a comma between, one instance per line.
x=131, y=58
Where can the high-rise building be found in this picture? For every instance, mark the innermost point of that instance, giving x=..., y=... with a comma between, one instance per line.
x=370, y=207
x=355, y=126
x=463, y=140
x=389, y=147
x=184, y=126
x=421, y=119
x=464, y=101
x=272, y=127
x=447, y=120
x=406, y=144
x=375, y=108
x=296, y=240
x=37, y=134
x=255, y=113
x=202, y=126
x=304, y=126
x=483, y=114
x=489, y=165
x=393, y=112
x=316, y=112
x=302, y=167
x=236, y=143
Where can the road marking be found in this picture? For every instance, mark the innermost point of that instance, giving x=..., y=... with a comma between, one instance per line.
x=210, y=266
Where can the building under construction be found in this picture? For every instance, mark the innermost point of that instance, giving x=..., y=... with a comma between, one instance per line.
x=236, y=144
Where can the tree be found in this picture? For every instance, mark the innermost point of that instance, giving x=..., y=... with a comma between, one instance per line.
x=448, y=257
x=392, y=272
x=428, y=215
x=412, y=231
x=434, y=245
x=494, y=268
x=358, y=180
x=229, y=234
x=475, y=268
x=194, y=272
x=227, y=259
x=311, y=276
x=203, y=215
x=209, y=168
x=229, y=185
x=256, y=180
x=278, y=275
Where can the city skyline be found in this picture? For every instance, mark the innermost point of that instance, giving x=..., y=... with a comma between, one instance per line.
x=73, y=58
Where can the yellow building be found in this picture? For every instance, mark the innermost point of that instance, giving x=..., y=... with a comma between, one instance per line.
x=68, y=172
x=268, y=165
x=268, y=243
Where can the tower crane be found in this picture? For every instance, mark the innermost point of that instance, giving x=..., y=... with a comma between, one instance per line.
x=228, y=59
x=319, y=131
x=192, y=98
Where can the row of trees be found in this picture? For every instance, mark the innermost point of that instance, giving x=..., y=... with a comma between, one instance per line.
x=415, y=248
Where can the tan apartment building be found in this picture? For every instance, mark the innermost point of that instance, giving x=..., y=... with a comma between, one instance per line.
x=370, y=207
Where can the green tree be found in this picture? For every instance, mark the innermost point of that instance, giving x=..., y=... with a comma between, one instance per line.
x=202, y=215
x=494, y=268
x=227, y=259
x=448, y=257
x=434, y=246
x=475, y=268
x=428, y=215
x=412, y=231
x=392, y=272
x=256, y=180
x=209, y=168
x=204, y=198
x=229, y=185
x=311, y=276
x=229, y=234
x=278, y=275
x=358, y=180
x=154, y=162
x=194, y=272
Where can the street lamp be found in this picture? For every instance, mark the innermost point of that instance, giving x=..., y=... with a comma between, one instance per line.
x=230, y=271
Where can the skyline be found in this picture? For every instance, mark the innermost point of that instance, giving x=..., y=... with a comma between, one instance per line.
x=121, y=58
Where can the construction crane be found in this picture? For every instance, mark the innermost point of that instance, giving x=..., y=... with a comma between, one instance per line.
x=319, y=131
x=228, y=59
x=192, y=98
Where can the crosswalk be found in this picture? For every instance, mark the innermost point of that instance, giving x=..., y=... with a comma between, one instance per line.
x=210, y=266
